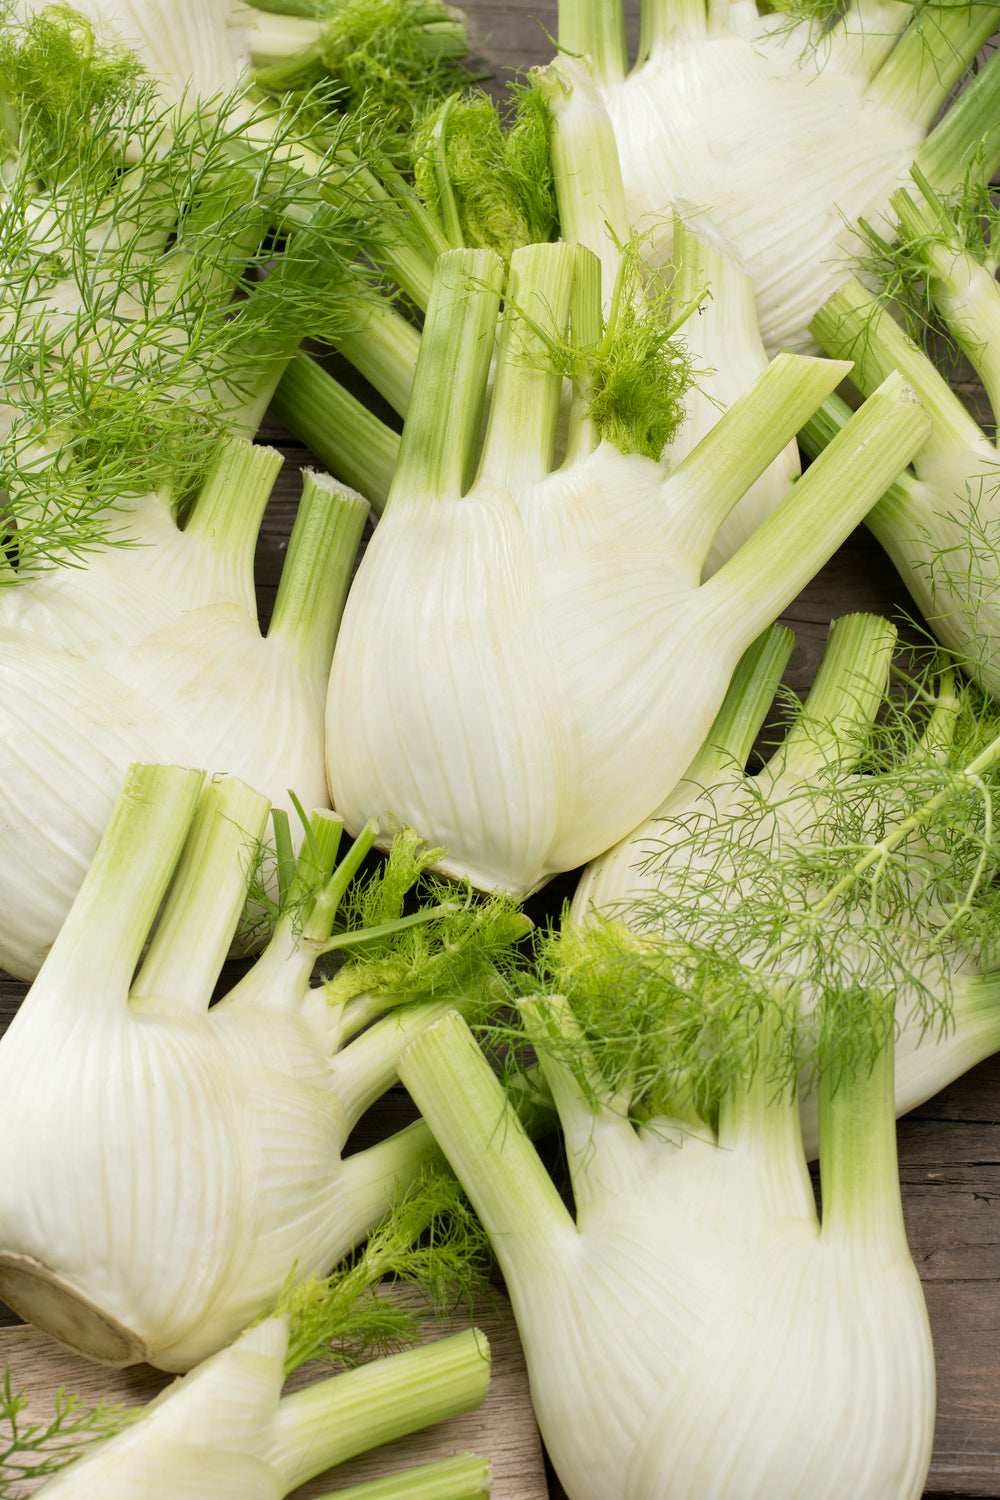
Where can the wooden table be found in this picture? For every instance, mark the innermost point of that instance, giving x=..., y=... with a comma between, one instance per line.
x=950, y=1148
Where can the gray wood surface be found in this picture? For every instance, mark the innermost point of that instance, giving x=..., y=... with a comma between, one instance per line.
x=950, y=1148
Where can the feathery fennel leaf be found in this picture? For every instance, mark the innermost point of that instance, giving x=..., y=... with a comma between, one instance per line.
x=31, y=1450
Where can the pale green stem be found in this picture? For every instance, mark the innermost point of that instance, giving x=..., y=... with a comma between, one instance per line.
x=363, y=1071
x=370, y=1182
x=227, y=514
x=864, y=36
x=744, y=709
x=595, y=28
x=587, y=324
x=329, y=899
x=440, y=435
x=428, y=231
x=275, y=38
x=407, y=250
x=463, y=1102
x=859, y=1172
x=899, y=519
x=279, y=980
x=105, y=929
x=853, y=325
x=964, y=292
x=322, y=552
x=939, y=732
x=833, y=725
x=586, y=169
x=759, y=1120
x=205, y=900
x=521, y=428
x=822, y=509
x=463, y=1477
x=727, y=316
x=970, y=130
x=666, y=21
x=243, y=404
x=713, y=477
x=930, y=58
x=443, y=184
x=892, y=515
x=599, y=1139
x=333, y=1420
x=338, y=428
x=315, y=862
x=384, y=350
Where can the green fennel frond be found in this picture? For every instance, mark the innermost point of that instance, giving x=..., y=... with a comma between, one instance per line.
x=464, y=951
x=390, y=56
x=431, y=1240
x=489, y=179
x=960, y=223
x=634, y=375
x=134, y=317
x=850, y=899
x=31, y=1450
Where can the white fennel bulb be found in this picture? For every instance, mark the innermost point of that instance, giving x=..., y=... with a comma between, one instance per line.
x=784, y=133
x=225, y=1429
x=551, y=662
x=155, y=651
x=171, y=1164
x=693, y=1329
x=732, y=859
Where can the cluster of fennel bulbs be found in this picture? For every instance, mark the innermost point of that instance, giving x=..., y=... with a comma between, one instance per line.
x=767, y=969
x=140, y=350
x=567, y=612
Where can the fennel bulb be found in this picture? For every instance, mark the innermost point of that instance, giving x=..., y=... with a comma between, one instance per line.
x=733, y=859
x=225, y=1430
x=786, y=132
x=155, y=651
x=552, y=663
x=939, y=520
x=694, y=1330
x=171, y=1165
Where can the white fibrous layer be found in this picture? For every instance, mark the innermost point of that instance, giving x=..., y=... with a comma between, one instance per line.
x=733, y=125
